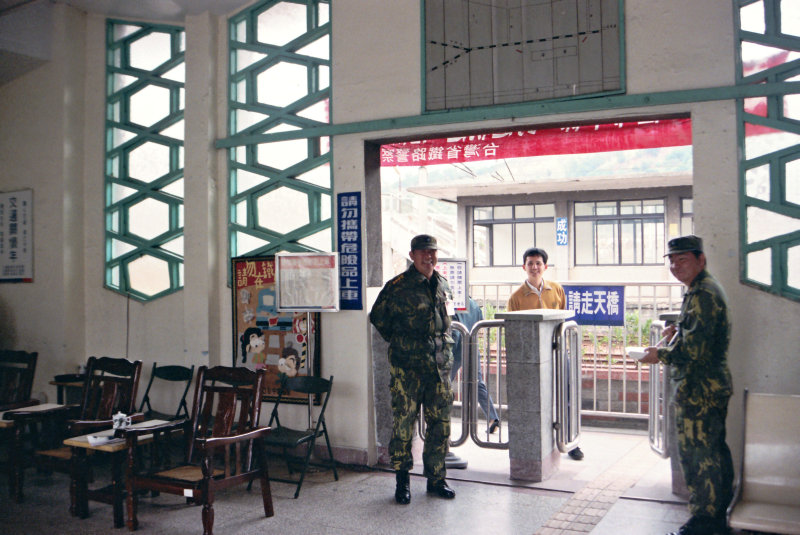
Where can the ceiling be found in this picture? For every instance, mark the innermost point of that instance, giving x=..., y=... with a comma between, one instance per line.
x=25, y=25
x=161, y=10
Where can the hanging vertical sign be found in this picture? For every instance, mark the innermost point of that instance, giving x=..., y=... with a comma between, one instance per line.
x=16, y=236
x=349, y=244
x=562, y=234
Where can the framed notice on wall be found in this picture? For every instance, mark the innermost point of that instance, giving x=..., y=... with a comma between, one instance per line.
x=16, y=236
x=308, y=282
x=284, y=343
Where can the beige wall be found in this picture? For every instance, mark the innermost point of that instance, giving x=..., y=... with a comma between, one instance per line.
x=51, y=141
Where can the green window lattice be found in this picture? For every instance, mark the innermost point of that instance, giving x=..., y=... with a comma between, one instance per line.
x=279, y=80
x=144, y=159
x=769, y=136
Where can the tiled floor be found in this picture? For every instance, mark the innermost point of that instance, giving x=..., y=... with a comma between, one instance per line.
x=620, y=488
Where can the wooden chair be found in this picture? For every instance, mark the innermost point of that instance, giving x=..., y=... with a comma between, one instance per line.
x=173, y=374
x=767, y=496
x=223, y=429
x=110, y=386
x=286, y=438
x=17, y=369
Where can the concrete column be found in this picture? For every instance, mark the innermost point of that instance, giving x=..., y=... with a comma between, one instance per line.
x=533, y=451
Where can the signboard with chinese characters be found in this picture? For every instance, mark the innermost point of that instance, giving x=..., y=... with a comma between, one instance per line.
x=455, y=271
x=596, y=305
x=307, y=282
x=16, y=236
x=562, y=234
x=350, y=247
x=284, y=343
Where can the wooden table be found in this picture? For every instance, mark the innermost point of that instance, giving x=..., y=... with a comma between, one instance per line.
x=19, y=419
x=113, y=494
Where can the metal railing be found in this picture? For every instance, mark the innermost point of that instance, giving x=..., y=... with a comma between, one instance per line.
x=614, y=385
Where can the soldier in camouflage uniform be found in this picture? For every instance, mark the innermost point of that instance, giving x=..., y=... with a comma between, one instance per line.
x=411, y=314
x=702, y=385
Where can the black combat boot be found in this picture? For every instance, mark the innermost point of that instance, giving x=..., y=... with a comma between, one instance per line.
x=441, y=488
x=402, y=493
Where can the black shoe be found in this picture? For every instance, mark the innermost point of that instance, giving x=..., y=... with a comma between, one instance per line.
x=576, y=454
x=703, y=525
x=494, y=425
x=402, y=493
x=441, y=489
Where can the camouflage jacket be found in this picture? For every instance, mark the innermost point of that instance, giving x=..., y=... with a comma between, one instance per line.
x=699, y=356
x=411, y=314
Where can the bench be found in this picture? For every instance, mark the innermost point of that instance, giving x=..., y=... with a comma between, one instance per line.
x=767, y=496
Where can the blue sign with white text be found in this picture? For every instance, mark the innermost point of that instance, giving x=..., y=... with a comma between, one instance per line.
x=562, y=232
x=596, y=305
x=350, y=248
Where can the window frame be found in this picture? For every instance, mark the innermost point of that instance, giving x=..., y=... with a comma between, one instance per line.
x=617, y=219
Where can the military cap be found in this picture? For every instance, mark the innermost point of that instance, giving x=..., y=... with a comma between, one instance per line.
x=685, y=244
x=423, y=241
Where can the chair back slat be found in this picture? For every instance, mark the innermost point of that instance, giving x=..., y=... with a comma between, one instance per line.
x=17, y=369
x=227, y=402
x=109, y=387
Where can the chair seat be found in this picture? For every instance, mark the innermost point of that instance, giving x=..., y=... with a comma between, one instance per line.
x=760, y=516
x=286, y=437
x=187, y=473
x=59, y=453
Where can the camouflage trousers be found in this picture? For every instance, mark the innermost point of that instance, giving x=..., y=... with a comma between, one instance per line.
x=410, y=389
x=704, y=457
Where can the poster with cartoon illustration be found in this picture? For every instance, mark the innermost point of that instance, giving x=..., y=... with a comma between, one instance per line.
x=282, y=342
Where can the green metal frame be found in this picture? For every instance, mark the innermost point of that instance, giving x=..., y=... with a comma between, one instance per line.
x=779, y=244
x=118, y=118
x=245, y=158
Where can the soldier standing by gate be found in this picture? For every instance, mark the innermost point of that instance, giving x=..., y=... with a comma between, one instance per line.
x=702, y=382
x=411, y=313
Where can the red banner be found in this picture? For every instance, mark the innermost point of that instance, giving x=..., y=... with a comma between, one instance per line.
x=522, y=143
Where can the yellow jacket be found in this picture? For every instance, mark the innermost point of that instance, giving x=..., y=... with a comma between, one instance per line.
x=524, y=298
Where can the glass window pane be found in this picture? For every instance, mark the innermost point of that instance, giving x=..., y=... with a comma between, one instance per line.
x=653, y=242
x=584, y=243
x=480, y=245
x=524, y=239
x=653, y=206
x=502, y=253
x=523, y=211
x=687, y=225
x=607, y=208
x=584, y=208
x=482, y=212
x=630, y=207
x=503, y=212
x=686, y=206
x=631, y=248
x=607, y=246
x=545, y=237
x=545, y=210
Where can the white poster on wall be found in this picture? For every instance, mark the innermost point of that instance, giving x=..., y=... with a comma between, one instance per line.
x=16, y=236
x=307, y=282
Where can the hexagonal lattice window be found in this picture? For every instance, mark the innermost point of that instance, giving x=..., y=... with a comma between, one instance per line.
x=281, y=23
x=149, y=105
x=793, y=182
x=283, y=210
x=148, y=161
x=793, y=267
x=148, y=275
x=282, y=84
x=148, y=219
x=150, y=51
x=282, y=154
